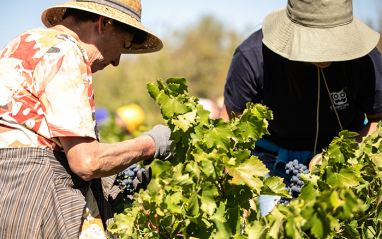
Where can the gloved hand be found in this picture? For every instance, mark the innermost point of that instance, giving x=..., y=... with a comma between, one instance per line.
x=161, y=136
x=143, y=179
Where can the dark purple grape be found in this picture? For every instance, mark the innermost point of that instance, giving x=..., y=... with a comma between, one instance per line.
x=125, y=179
x=295, y=169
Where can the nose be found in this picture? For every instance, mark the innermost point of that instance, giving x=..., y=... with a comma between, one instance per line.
x=116, y=61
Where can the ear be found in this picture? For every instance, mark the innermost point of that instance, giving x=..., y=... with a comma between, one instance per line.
x=104, y=22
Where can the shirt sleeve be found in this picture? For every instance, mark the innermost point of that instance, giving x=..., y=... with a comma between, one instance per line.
x=65, y=92
x=244, y=80
x=371, y=85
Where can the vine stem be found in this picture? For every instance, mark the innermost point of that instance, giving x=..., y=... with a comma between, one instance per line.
x=221, y=187
x=148, y=218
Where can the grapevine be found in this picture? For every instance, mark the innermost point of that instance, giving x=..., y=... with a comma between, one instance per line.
x=212, y=180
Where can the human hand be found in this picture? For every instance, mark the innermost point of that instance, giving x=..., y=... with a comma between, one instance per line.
x=315, y=160
x=161, y=136
x=132, y=179
x=142, y=179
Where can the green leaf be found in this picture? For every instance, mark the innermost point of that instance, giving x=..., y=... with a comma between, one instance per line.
x=347, y=177
x=171, y=106
x=204, y=116
x=176, y=80
x=336, y=155
x=207, y=199
x=185, y=121
x=308, y=192
x=208, y=168
x=274, y=186
x=173, y=202
x=222, y=231
x=219, y=214
x=153, y=90
x=240, y=156
x=277, y=224
x=378, y=160
x=193, y=205
x=256, y=230
x=219, y=136
x=247, y=171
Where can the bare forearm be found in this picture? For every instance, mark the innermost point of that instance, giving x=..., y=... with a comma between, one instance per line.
x=370, y=127
x=367, y=130
x=226, y=112
x=89, y=159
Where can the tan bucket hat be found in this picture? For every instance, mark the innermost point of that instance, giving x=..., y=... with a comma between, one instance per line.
x=318, y=31
x=125, y=11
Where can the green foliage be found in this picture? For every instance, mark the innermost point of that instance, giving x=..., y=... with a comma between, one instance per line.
x=340, y=199
x=205, y=190
x=193, y=195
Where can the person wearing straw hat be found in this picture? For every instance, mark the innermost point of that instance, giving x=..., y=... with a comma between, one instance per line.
x=316, y=66
x=57, y=178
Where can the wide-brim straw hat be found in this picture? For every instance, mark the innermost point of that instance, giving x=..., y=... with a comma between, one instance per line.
x=125, y=11
x=318, y=31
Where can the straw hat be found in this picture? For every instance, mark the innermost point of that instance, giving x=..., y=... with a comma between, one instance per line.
x=125, y=11
x=318, y=31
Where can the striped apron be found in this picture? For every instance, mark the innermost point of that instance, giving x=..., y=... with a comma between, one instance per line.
x=40, y=197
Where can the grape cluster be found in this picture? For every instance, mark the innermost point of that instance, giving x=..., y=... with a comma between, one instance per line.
x=133, y=178
x=295, y=169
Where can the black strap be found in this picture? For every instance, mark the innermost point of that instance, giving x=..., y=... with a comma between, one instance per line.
x=118, y=6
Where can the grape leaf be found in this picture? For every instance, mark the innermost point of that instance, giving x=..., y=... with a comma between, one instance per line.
x=193, y=205
x=347, y=176
x=219, y=136
x=171, y=106
x=247, y=170
x=219, y=214
x=177, y=80
x=153, y=90
x=308, y=192
x=378, y=160
x=208, y=202
x=277, y=223
x=173, y=202
x=274, y=186
x=256, y=230
x=185, y=121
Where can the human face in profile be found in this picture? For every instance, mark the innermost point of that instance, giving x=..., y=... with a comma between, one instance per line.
x=112, y=41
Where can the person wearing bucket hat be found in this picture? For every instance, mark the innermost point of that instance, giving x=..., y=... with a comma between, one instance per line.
x=57, y=178
x=316, y=66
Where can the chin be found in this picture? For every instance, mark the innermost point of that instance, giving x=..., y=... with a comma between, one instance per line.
x=322, y=64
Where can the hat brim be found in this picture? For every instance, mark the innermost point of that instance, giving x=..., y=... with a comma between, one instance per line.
x=313, y=44
x=53, y=16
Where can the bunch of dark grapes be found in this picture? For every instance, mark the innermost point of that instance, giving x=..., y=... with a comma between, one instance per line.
x=295, y=169
x=132, y=179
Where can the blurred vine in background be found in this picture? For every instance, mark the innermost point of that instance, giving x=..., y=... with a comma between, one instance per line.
x=112, y=133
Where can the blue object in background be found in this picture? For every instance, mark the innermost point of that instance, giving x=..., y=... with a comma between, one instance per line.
x=102, y=115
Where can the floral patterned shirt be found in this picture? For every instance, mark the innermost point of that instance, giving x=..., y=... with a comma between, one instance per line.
x=45, y=91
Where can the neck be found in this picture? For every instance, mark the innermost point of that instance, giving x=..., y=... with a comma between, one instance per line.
x=64, y=28
x=81, y=32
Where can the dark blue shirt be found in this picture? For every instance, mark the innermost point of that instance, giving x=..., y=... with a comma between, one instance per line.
x=290, y=90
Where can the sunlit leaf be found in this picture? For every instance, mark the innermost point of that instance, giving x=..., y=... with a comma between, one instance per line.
x=246, y=171
x=207, y=199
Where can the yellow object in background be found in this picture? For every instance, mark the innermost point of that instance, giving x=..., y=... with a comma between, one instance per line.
x=132, y=116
